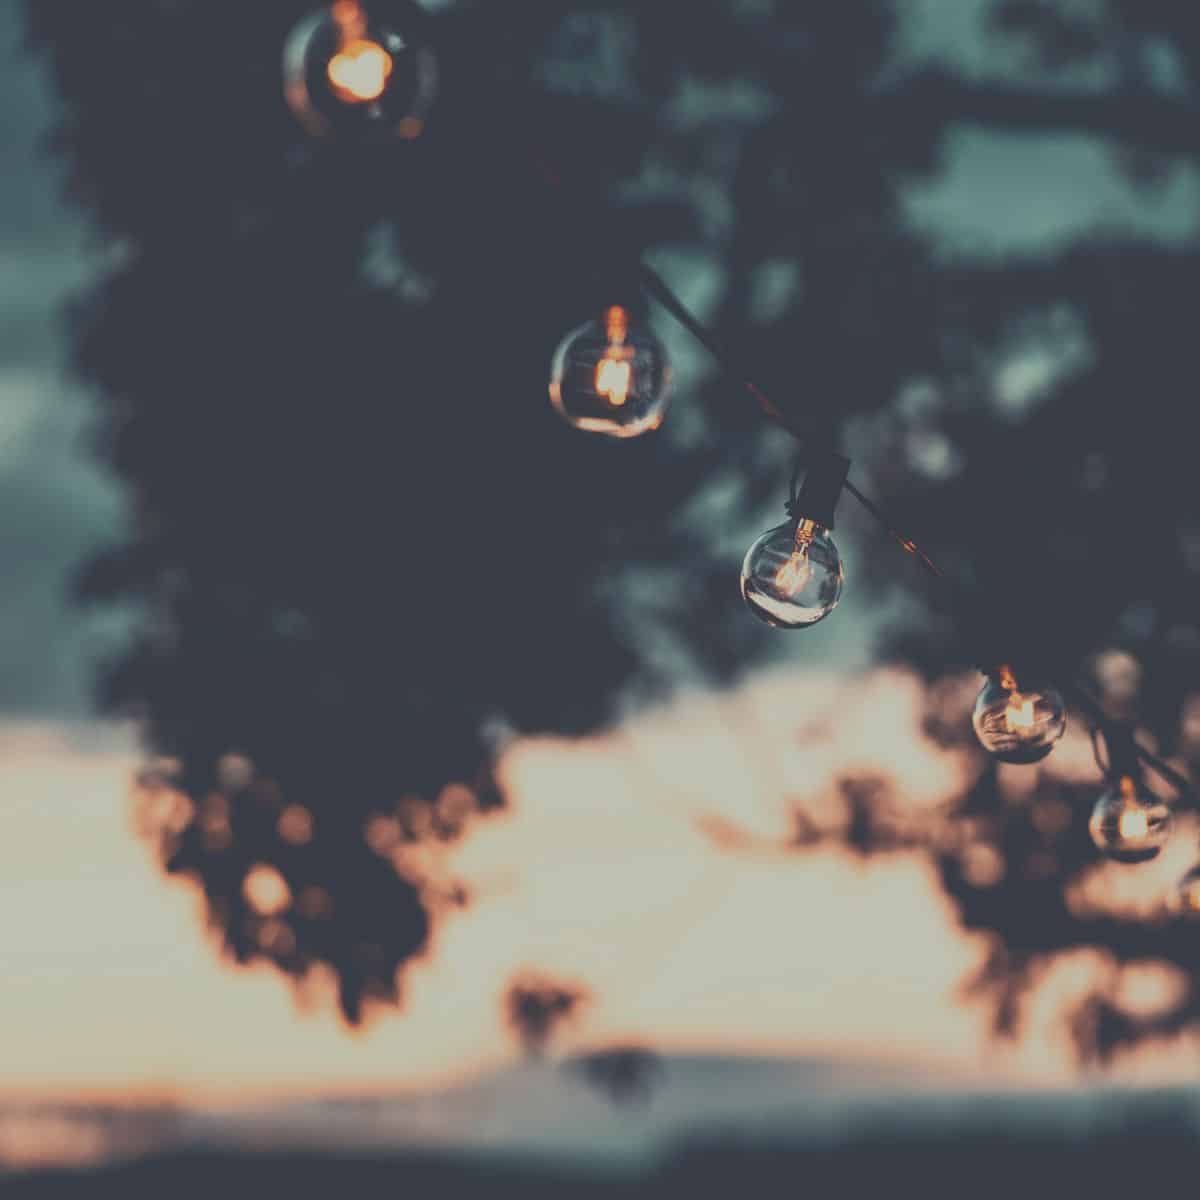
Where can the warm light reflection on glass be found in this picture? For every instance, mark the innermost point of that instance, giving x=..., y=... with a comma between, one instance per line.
x=614, y=372
x=360, y=70
x=1019, y=714
x=1134, y=822
x=794, y=575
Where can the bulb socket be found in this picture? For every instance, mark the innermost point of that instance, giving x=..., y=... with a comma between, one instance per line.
x=817, y=499
x=1122, y=751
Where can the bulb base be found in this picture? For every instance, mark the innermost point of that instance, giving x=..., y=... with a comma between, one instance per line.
x=817, y=499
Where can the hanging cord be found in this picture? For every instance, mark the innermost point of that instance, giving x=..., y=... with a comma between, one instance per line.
x=793, y=504
x=657, y=289
x=1103, y=724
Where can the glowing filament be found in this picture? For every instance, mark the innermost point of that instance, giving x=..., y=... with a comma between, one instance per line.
x=614, y=372
x=1134, y=824
x=1019, y=715
x=359, y=71
x=794, y=575
x=614, y=379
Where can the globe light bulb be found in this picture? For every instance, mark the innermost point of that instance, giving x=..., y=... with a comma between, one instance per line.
x=1185, y=900
x=792, y=576
x=1130, y=824
x=1018, y=724
x=349, y=72
x=611, y=376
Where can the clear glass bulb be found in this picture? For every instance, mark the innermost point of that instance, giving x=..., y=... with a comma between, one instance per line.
x=347, y=71
x=611, y=376
x=792, y=576
x=1018, y=724
x=1185, y=900
x=1130, y=824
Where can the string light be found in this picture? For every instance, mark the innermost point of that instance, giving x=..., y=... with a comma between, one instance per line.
x=611, y=376
x=1018, y=724
x=792, y=576
x=1129, y=823
x=348, y=71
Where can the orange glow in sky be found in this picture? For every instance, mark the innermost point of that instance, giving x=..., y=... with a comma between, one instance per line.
x=600, y=874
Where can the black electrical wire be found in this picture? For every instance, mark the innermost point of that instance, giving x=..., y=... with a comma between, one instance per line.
x=657, y=289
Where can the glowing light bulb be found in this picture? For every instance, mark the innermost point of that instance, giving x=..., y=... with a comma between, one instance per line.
x=1130, y=824
x=348, y=72
x=1018, y=724
x=360, y=71
x=611, y=376
x=792, y=576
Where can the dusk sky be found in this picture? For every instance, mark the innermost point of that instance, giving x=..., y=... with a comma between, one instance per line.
x=112, y=986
